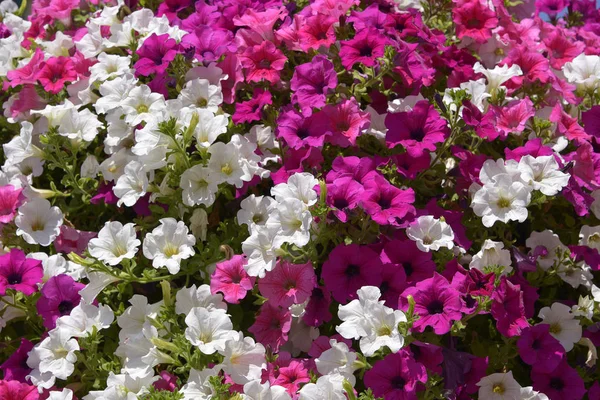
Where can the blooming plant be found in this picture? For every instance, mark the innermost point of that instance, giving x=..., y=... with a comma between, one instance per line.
x=309, y=199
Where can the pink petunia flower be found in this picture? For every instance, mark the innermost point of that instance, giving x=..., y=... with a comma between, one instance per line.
x=231, y=279
x=288, y=283
x=437, y=304
x=346, y=121
x=475, y=20
x=272, y=325
x=292, y=376
x=16, y=390
x=55, y=72
x=252, y=110
x=263, y=62
x=316, y=32
x=59, y=296
x=167, y=381
x=385, y=203
x=28, y=73
x=348, y=268
x=156, y=54
x=396, y=377
x=19, y=273
x=72, y=240
x=417, y=130
x=10, y=198
x=511, y=119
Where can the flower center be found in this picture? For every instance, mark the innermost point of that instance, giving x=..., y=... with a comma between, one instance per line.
x=594, y=238
x=417, y=134
x=60, y=352
x=384, y=331
x=557, y=383
x=352, y=270
x=498, y=388
x=65, y=307
x=14, y=278
x=37, y=226
x=142, y=108
x=258, y=218
x=427, y=240
x=226, y=169
x=202, y=103
x=171, y=250
x=366, y=51
x=555, y=328
x=435, y=307
x=503, y=202
x=398, y=382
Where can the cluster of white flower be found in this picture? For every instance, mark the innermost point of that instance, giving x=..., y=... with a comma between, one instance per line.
x=508, y=186
x=274, y=221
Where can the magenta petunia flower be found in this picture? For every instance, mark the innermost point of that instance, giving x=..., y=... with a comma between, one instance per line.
x=19, y=273
x=365, y=48
x=385, y=203
x=14, y=390
x=299, y=130
x=59, y=296
x=396, y=376
x=533, y=64
x=105, y=194
x=417, y=130
x=252, y=110
x=272, y=325
x=591, y=121
x=417, y=264
x=55, y=72
x=437, y=304
x=28, y=73
x=263, y=62
x=15, y=367
x=551, y=7
x=167, y=381
x=171, y=8
x=72, y=240
x=288, y=283
x=561, y=49
x=346, y=121
x=475, y=20
x=348, y=268
x=9, y=202
x=316, y=311
x=343, y=195
x=508, y=308
x=156, y=54
x=393, y=284
x=312, y=82
x=562, y=383
x=538, y=348
x=209, y=44
x=428, y=354
x=231, y=279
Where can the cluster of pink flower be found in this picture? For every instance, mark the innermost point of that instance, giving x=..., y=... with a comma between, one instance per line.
x=334, y=199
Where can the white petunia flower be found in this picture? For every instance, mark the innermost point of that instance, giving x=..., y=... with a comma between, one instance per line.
x=504, y=200
x=132, y=185
x=337, y=360
x=65, y=394
x=498, y=75
x=79, y=125
x=199, y=187
x=543, y=174
x=114, y=243
x=225, y=164
x=254, y=390
x=84, y=318
x=244, y=360
x=188, y=298
x=114, y=93
x=492, y=253
x=90, y=167
x=563, y=325
x=114, y=166
x=142, y=105
x=199, y=93
x=260, y=251
x=291, y=220
x=56, y=354
x=198, y=386
x=208, y=329
x=20, y=147
x=499, y=386
x=431, y=234
x=38, y=222
x=328, y=387
x=583, y=71
x=199, y=224
x=255, y=210
x=168, y=244
x=109, y=66
x=299, y=186
x=590, y=236
x=209, y=127
x=136, y=317
x=549, y=241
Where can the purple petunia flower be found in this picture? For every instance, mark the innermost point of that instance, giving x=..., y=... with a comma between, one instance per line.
x=563, y=383
x=59, y=296
x=19, y=273
x=417, y=264
x=312, y=82
x=15, y=367
x=396, y=376
x=540, y=349
x=508, y=308
x=299, y=131
x=155, y=55
x=348, y=268
x=209, y=44
x=437, y=304
x=317, y=308
x=417, y=130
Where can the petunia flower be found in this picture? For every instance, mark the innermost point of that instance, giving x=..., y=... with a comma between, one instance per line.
x=317, y=31
x=365, y=48
x=437, y=304
x=288, y=283
x=231, y=279
x=155, y=55
x=59, y=296
x=263, y=62
x=539, y=349
x=55, y=72
x=312, y=82
x=508, y=309
x=562, y=383
x=10, y=197
x=385, y=203
x=251, y=110
x=474, y=20
x=19, y=273
x=15, y=367
x=272, y=325
x=404, y=254
x=396, y=377
x=316, y=311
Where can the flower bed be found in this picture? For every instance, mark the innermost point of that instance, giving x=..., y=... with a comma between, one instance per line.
x=328, y=199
